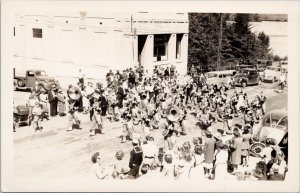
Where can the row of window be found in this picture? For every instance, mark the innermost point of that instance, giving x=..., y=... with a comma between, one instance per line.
x=160, y=44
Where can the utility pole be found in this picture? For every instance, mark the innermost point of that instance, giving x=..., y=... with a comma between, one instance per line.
x=220, y=43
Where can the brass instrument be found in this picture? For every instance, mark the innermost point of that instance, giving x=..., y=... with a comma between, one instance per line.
x=174, y=113
x=74, y=93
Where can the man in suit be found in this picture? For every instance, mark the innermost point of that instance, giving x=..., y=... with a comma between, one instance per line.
x=52, y=97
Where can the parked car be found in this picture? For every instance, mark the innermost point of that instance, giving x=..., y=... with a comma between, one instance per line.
x=274, y=125
x=273, y=130
x=272, y=73
x=247, y=76
x=217, y=77
x=31, y=76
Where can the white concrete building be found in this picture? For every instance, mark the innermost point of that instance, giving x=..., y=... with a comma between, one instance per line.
x=62, y=43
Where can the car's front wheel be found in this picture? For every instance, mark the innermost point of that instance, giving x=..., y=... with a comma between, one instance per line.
x=20, y=83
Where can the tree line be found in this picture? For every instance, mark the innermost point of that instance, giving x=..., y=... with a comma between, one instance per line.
x=235, y=44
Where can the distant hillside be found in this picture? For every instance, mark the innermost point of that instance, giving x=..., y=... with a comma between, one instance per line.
x=264, y=17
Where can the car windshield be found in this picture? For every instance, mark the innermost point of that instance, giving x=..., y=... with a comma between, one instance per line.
x=212, y=75
x=40, y=73
x=282, y=122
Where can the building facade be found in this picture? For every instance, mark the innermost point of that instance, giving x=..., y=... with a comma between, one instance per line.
x=62, y=44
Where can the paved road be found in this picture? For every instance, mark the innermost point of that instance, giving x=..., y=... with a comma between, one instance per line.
x=55, y=153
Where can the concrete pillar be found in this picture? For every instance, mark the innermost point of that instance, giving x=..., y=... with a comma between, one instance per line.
x=147, y=54
x=172, y=49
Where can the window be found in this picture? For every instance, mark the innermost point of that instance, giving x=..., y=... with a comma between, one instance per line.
x=212, y=75
x=161, y=47
x=30, y=74
x=178, y=45
x=40, y=73
x=37, y=33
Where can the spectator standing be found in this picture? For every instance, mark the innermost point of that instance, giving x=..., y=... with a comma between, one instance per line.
x=136, y=159
x=81, y=77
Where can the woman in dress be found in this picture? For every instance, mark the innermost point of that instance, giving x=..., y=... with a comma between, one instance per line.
x=246, y=145
x=236, y=150
x=221, y=162
x=197, y=171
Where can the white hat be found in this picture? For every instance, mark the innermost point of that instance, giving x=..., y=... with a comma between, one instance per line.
x=135, y=141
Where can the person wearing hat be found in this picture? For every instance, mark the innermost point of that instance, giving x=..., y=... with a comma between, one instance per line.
x=236, y=150
x=136, y=159
x=221, y=158
x=36, y=117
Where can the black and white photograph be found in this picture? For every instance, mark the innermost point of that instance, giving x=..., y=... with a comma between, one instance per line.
x=132, y=95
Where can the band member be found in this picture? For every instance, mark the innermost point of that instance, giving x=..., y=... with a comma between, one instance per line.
x=228, y=118
x=127, y=128
x=120, y=95
x=97, y=123
x=36, y=116
x=81, y=76
x=103, y=104
x=169, y=135
x=73, y=118
x=263, y=102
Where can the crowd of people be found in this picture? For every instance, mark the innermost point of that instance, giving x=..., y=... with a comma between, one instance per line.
x=161, y=101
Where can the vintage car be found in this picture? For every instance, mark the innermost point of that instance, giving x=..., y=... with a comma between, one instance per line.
x=272, y=73
x=218, y=77
x=274, y=130
x=31, y=76
x=247, y=76
x=274, y=125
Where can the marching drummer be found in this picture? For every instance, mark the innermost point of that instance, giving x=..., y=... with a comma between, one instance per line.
x=73, y=118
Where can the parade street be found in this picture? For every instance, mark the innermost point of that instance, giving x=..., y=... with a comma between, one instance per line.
x=55, y=151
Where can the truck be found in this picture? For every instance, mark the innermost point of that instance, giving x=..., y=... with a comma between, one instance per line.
x=31, y=77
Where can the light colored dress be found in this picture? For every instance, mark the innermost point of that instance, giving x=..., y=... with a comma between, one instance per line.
x=221, y=165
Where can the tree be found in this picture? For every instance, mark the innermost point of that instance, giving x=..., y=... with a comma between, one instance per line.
x=241, y=25
x=263, y=43
x=203, y=39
